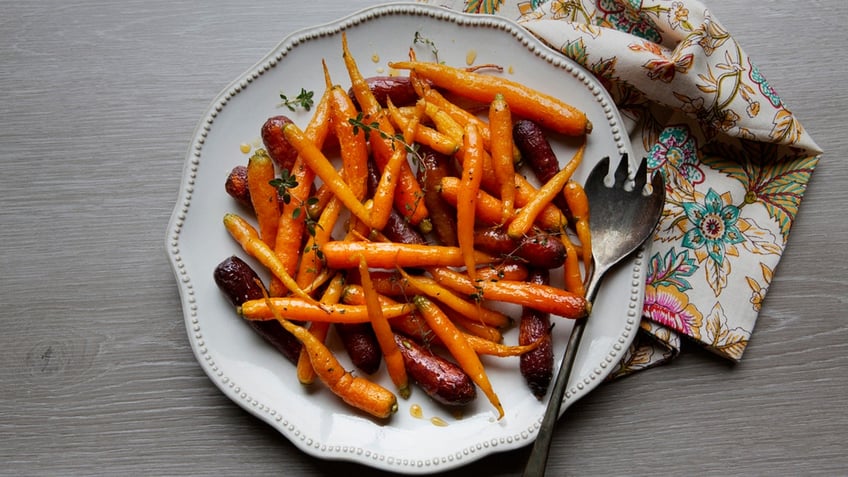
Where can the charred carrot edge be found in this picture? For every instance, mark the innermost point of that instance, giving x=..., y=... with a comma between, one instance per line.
x=456, y=342
x=472, y=311
x=299, y=309
x=578, y=203
x=389, y=255
x=500, y=125
x=319, y=329
x=526, y=216
x=383, y=331
x=357, y=391
x=472, y=174
x=525, y=101
x=540, y=297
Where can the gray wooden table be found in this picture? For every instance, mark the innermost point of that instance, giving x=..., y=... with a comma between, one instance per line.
x=98, y=101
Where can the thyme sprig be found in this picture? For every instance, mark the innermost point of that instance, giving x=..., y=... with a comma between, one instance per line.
x=304, y=99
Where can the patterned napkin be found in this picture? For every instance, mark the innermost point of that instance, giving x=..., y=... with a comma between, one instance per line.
x=735, y=159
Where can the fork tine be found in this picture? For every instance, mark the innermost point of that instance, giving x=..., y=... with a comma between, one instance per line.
x=621, y=172
x=657, y=182
x=641, y=175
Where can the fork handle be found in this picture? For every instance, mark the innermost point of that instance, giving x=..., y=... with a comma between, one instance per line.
x=538, y=460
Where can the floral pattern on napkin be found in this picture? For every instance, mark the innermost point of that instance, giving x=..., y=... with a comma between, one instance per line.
x=736, y=160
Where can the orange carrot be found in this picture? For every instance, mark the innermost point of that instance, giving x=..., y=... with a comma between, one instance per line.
x=353, y=146
x=578, y=203
x=408, y=196
x=263, y=196
x=423, y=134
x=500, y=125
x=489, y=208
x=385, y=192
x=443, y=121
x=473, y=311
x=319, y=329
x=459, y=348
x=572, y=278
x=508, y=270
x=324, y=169
x=390, y=255
x=357, y=391
x=526, y=216
x=544, y=298
x=288, y=244
x=299, y=309
x=383, y=332
x=524, y=101
x=311, y=263
x=472, y=174
x=248, y=238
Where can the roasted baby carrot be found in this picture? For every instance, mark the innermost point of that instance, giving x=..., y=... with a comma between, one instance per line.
x=544, y=298
x=383, y=331
x=527, y=102
x=572, y=278
x=408, y=196
x=299, y=309
x=319, y=329
x=456, y=342
x=263, y=196
x=424, y=135
x=526, y=216
x=578, y=203
x=472, y=174
x=288, y=244
x=390, y=255
x=357, y=391
x=489, y=207
x=500, y=127
x=429, y=287
x=324, y=169
x=248, y=238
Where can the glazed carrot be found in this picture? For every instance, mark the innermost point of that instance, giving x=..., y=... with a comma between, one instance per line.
x=384, y=193
x=494, y=348
x=423, y=134
x=408, y=194
x=473, y=311
x=357, y=391
x=324, y=169
x=573, y=280
x=500, y=125
x=383, y=331
x=390, y=255
x=578, y=204
x=524, y=101
x=353, y=145
x=472, y=174
x=526, y=216
x=248, y=238
x=319, y=329
x=263, y=196
x=443, y=121
x=299, y=309
x=288, y=244
x=311, y=263
x=489, y=208
x=462, y=116
x=459, y=348
x=475, y=328
x=544, y=298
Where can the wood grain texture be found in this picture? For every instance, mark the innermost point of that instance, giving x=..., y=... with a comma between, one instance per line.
x=99, y=101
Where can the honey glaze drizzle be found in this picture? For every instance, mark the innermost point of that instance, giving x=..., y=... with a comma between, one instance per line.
x=416, y=411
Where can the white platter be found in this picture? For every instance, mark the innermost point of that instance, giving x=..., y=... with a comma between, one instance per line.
x=261, y=381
